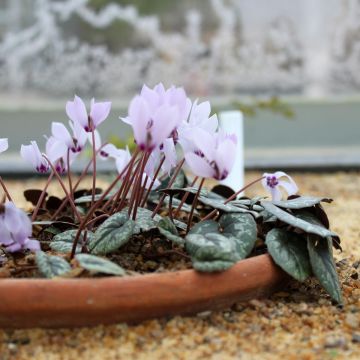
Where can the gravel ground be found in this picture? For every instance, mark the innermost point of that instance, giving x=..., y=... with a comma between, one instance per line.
x=296, y=323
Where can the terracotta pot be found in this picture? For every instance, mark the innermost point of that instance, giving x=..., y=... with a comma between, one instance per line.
x=57, y=303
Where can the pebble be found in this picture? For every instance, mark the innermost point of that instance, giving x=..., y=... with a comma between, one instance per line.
x=352, y=320
x=335, y=342
x=356, y=338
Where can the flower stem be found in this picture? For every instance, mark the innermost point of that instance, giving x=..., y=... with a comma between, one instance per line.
x=5, y=189
x=64, y=188
x=233, y=196
x=69, y=175
x=184, y=198
x=152, y=182
x=82, y=175
x=42, y=197
x=94, y=164
x=171, y=182
x=96, y=205
x=194, y=205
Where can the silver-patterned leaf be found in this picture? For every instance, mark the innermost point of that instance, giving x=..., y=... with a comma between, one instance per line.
x=323, y=266
x=296, y=221
x=289, y=251
x=144, y=222
x=219, y=205
x=88, y=198
x=242, y=229
x=113, y=233
x=301, y=202
x=211, y=246
x=63, y=242
x=51, y=266
x=168, y=229
x=96, y=264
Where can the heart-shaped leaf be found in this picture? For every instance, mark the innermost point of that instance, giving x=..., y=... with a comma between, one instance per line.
x=301, y=202
x=215, y=250
x=204, y=227
x=113, y=233
x=88, y=198
x=296, y=221
x=63, y=242
x=290, y=252
x=51, y=266
x=96, y=264
x=168, y=229
x=323, y=266
x=242, y=229
x=229, y=207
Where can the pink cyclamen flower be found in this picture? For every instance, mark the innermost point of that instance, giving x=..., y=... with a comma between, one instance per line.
x=77, y=113
x=272, y=184
x=31, y=154
x=155, y=114
x=211, y=156
x=16, y=229
x=4, y=144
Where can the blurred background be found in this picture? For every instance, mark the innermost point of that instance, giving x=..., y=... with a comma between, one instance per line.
x=292, y=67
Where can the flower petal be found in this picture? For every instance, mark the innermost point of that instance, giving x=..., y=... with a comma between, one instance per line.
x=199, y=166
x=76, y=111
x=60, y=132
x=99, y=111
x=4, y=145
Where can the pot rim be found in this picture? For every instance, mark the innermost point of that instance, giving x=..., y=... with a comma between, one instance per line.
x=72, y=302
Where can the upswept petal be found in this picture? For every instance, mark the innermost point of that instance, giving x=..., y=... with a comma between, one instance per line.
x=60, y=132
x=170, y=155
x=4, y=145
x=99, y=111
x=140, y=117
x=31, y=244
x=294, y=188
x=151, y=97
x=76, y=111
x=199, y=112
x=199, y=166
x=275, y=193
x=55, y=149
x=225, y=157
x=291, y=188
x=205, y=142
x=164, y=122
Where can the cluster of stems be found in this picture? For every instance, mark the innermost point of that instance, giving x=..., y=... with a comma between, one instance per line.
x=132, y=193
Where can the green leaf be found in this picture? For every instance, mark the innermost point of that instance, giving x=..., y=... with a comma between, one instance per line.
x=88, y=198
x=180, y=181
x=179, y=224
x=242, y=229
x=51, y=266
x=323, y=265
x=211, y=252
x=97, y=264
x=63, y=242
x=289, y=251
x=301, y=202
x=205, y=227
x=219, y=204
x=296, y=221
x=176, y=202
x=182, y=190
x=113, y=233
x=168, y=229
x=144, y=222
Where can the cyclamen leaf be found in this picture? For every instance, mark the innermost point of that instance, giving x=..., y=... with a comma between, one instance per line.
x=51, y=266
x=219, y=204
x=168, y=229
x=289, y=251
x=205, y=227
x=301, y=202
x=63, y=242
x=211, y=252
x=242, y=229
x=296, y=221
x=323, y=265
x=143, y=222
x=88, y=198
x=97, y=264
x=113, y=233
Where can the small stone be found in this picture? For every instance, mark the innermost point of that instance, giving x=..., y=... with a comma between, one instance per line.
x=356, y=264
x=335, y=342
x=352, y=320
x=204, y=314
x=256, y=303
x=354, y=275
x=356, y=338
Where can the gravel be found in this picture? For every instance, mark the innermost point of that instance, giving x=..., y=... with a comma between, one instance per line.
x=299, y=322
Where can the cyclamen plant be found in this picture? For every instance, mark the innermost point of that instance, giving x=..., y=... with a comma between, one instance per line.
x=152, y=199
